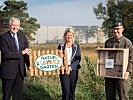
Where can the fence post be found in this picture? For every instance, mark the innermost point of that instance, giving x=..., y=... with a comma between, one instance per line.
x=31, y=65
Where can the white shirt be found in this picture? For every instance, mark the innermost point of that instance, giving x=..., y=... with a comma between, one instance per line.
x=69, y=55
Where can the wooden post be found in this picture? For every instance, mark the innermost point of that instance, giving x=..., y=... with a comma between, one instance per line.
x=49, y=73
x=31, y=65
x=35, y=56
x=60, y=52
x=40, y=72
x=58, y=70
x=53, y=72
x=43, y=52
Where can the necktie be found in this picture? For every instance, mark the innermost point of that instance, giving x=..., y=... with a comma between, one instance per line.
x=16, y=42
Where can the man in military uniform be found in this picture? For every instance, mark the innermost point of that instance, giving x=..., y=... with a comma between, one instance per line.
x=115, y=85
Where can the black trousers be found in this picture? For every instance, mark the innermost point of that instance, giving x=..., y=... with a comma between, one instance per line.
x=68, y=84
x=13, y=87
x=120, y=86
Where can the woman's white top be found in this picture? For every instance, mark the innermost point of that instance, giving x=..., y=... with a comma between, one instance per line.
x=69, y=55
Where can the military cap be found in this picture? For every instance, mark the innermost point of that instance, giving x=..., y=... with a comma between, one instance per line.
x=117, y=24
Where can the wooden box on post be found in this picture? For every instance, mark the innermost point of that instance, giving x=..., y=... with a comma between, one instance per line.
x=112, y=62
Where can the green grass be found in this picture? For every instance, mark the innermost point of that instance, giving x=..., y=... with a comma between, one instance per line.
x=89, y=86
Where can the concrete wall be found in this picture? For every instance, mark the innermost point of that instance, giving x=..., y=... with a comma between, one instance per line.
x=54, y=34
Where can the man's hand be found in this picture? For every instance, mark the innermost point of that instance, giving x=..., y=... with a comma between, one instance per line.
x=26, y=51
x=126, y=75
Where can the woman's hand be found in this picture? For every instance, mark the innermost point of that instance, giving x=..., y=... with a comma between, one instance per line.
x=68, y=71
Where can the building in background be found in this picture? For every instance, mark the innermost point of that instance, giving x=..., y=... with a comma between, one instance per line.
x=83, y=34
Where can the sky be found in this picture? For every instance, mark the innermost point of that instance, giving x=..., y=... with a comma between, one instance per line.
x=63, y=12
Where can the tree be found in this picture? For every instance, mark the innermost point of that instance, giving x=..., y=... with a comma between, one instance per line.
x=1, y=21
x=18, y=9
x=116, y=10
x=84, y=32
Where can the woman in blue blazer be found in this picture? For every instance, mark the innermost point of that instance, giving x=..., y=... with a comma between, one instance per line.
x=70, y=77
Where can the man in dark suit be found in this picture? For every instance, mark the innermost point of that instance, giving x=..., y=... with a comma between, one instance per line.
x=14, y=57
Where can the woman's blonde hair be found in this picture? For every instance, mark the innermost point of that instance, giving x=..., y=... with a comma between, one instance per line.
x=68, y=30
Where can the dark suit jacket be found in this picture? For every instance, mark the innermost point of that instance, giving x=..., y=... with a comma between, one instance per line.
x=13, y=60
x=76, y=55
